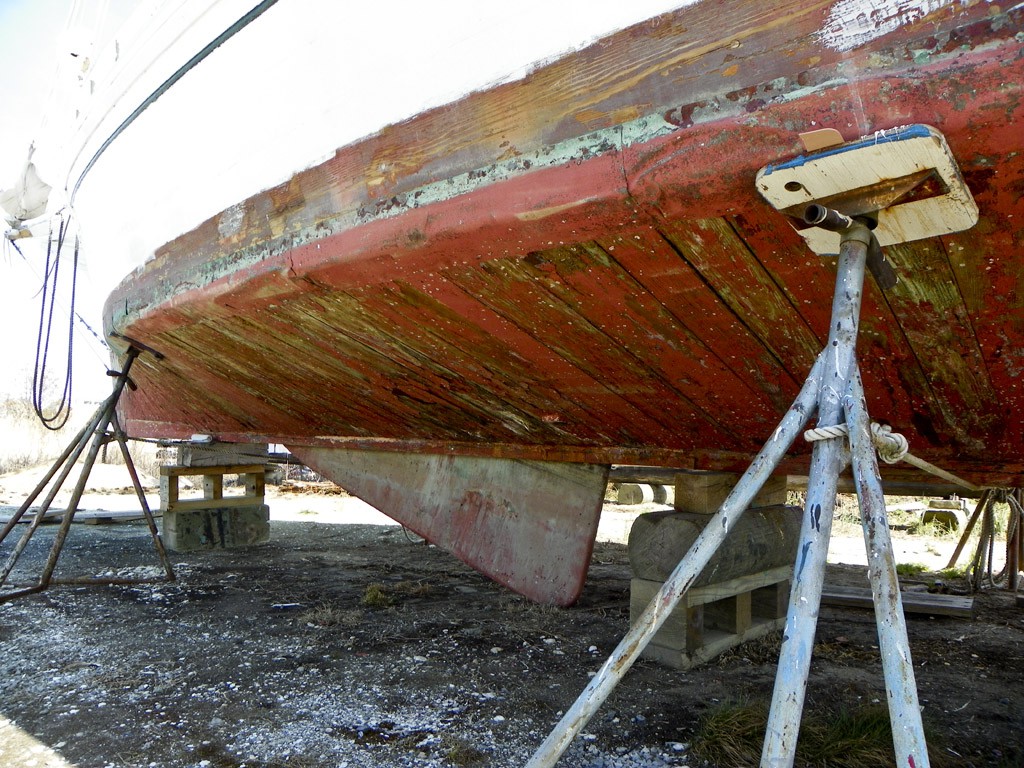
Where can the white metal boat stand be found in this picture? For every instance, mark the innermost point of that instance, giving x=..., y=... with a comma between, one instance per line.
x=102, y=427
x=834, y=390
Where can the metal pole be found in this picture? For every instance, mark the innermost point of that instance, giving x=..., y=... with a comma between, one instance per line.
x=1013, y=541
x=705, y=546
x=897, y=667
x=90, y=459
x=75, y=442
x=827, y=460
x=105, y=416
x=982, y=503
x=153, y=532
x=69, y=463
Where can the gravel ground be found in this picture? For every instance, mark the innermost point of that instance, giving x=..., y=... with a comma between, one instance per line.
x=357, y=645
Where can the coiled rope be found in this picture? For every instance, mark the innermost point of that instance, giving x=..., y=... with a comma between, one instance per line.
x=892, y=447
x=58, y=417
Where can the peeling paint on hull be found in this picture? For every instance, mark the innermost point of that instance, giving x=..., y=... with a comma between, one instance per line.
x=576, y=267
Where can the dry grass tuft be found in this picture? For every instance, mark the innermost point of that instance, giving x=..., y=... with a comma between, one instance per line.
x=761, y=650
x=329, y=615
x=462, y=753
x=386, y=595
x=733, y=735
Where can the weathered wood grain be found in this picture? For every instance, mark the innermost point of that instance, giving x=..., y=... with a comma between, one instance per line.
x=410, y=271
x=683, y=292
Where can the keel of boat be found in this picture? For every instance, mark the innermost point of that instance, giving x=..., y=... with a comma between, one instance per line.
x=529, y=525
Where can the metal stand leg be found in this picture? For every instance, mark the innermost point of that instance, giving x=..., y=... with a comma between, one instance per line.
x=897, y=667
x=97, y=427
x=662, y=605
x=827, y=461
x=833, y=389
x=158, y=544
x=68, y=459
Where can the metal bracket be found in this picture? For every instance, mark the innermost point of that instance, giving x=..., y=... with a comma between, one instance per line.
x=833, y=221
x=907, y=174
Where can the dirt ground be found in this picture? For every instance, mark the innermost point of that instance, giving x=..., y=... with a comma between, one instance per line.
x=346, y=642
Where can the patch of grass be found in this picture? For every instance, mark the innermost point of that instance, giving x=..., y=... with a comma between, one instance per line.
x=957, y=572
x=328, y=615
x=509, y=603
x=733, y=734
x=377, y=596
x=761, y=650
x=386, y=595
x=412, y=589
x=842, y=651
x=935, y=529
x=857, y=738
x=910, y=569
x=460, y=752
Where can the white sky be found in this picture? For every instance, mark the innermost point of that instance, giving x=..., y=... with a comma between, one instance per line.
x=30, y=32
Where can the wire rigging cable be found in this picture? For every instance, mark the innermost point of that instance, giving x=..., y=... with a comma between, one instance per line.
x=58, y=414
x=183, y=70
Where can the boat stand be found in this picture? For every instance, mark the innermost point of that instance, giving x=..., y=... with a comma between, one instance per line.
x=980, y=569
x=103, y=427
x=834, y=390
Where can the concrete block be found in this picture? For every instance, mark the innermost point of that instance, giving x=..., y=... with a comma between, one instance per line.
x=644, y=493
x=950, y=519
x=762, y=539
x=189, y=530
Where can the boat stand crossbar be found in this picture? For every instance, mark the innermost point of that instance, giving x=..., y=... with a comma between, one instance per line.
x=102, y=428
x=834, y=391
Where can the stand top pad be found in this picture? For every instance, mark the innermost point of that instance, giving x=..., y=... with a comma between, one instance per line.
x=907, y=174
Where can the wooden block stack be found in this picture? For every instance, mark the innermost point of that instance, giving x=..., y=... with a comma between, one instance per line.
x=742, y=593
x=214, y=521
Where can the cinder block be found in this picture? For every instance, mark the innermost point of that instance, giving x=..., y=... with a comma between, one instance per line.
x=710, y=620
x=216, y=528
x=762, y=539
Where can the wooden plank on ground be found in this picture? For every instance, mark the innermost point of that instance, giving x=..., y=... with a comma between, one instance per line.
x=104, y=517
x=913, y=602
x=52, y=515
x=89, y=516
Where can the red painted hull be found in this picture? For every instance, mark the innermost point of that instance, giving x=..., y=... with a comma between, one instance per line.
x=577, y=267
x=638, y=304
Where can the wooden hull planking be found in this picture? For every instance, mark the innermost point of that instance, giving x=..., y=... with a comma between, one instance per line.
x=576, y=267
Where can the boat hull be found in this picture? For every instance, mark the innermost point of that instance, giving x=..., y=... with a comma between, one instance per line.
x=576, y=267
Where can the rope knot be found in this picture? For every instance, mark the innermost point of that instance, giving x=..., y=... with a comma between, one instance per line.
x=891, y=446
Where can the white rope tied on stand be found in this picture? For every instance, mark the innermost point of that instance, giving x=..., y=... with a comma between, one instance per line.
x=892, y=447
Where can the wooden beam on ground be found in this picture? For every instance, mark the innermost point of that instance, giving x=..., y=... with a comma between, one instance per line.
x=913, y=602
